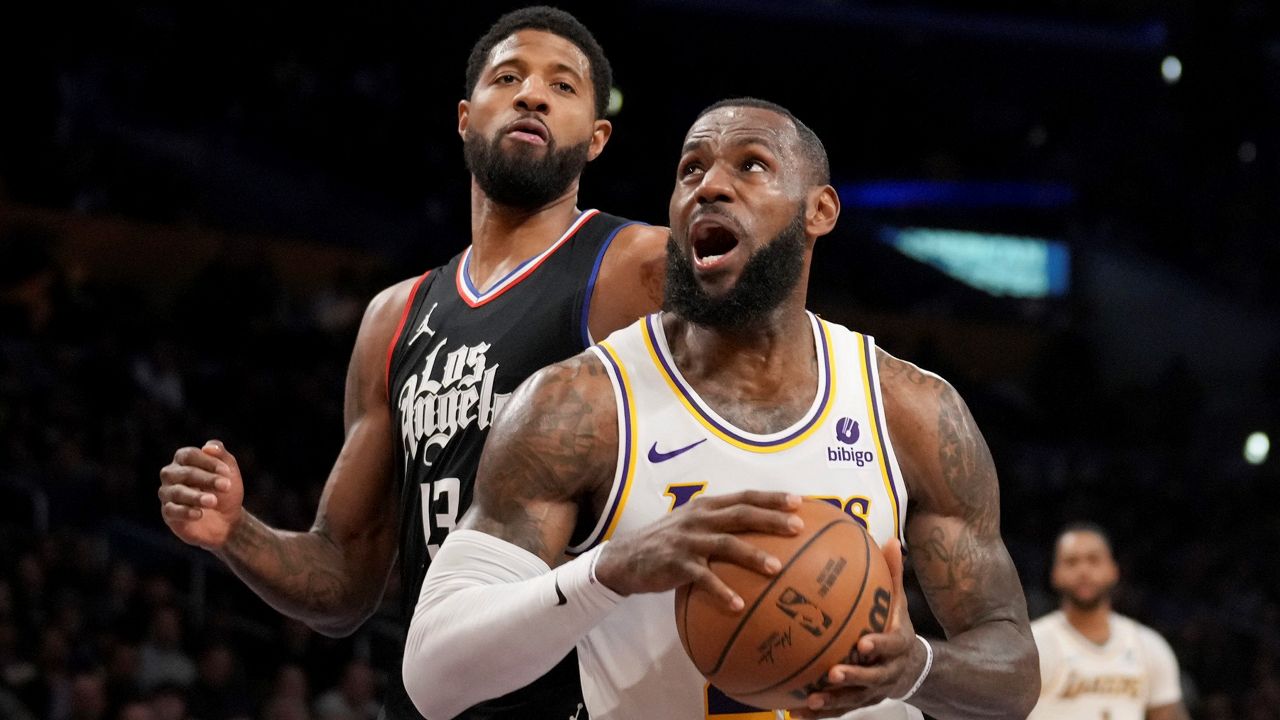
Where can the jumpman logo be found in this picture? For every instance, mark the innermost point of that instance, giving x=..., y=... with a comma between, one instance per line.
x=424, y=329
x=576, y=713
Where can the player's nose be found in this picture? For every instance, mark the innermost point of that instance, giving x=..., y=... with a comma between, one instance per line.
x=716, y=185
x=533, y=96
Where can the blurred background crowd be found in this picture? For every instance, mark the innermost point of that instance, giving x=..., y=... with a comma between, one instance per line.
x=1068, y=209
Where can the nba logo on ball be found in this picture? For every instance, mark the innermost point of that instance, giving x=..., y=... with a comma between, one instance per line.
x=833, y=588
x=847, y=432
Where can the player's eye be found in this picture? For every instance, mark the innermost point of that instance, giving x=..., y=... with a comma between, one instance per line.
x=565, y=87
x=505, y=79
x=754, y=165
x=689, y=168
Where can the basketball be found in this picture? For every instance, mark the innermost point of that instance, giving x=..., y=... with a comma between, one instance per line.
x=833, y=588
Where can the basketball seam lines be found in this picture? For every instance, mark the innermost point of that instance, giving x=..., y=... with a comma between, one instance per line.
x=866, y=578
x=764, y=592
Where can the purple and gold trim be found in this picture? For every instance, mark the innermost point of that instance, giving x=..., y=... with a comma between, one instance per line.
x=626, y=451
x=472, y=295
x=871, y=382
x=656, y=343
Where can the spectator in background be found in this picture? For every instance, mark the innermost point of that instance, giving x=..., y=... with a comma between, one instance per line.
x=355, y=697
x=88, y=696
x=47, y=694
x=162, y=658
x=15, y=670
x=169, y=702
x=135, y=710
x=11, y=708
x=219, y=693
x=288, y=699
x=123, y=666
x=120, y=608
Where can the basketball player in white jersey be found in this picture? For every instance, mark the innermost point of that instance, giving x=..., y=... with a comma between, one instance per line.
x=647, y=454
x=1096, y=664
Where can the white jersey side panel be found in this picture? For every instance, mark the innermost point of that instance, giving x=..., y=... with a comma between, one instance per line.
x=1081, y=680
x=674, y=447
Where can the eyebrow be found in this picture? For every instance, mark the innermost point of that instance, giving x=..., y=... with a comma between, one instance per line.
x=522, y=64
x=692, y=145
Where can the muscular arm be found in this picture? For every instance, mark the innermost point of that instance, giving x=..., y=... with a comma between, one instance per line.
x=987, y=667
x=332, y=576
x=554, y=445
x=631, y=279
x=550, y=458
x=492, y=579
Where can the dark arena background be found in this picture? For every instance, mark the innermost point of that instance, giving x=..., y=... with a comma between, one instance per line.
x=1066, y=207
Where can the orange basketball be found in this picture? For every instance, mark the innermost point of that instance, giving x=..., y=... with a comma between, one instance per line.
x=833, y=588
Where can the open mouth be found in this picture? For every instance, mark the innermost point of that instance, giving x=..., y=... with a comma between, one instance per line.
x=530, y=131
x=712, y=239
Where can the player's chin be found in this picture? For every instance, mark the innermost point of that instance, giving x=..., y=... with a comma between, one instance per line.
x=521, y=148
x=718, y=284
x=1087, y=599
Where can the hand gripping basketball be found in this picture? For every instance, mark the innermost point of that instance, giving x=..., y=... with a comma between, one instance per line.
x=677, y=549
x=201, y=495
x=888, y=662
x=834, y=588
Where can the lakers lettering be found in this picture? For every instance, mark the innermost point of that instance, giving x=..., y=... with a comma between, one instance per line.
x=448, y=395
x=857, y=507
x=1076, y=685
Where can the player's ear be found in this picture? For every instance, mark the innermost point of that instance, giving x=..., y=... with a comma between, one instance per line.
x=822, y=211
x=599, y=138
x=464, y=117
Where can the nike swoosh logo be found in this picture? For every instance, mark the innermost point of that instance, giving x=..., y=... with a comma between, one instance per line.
x=561, y=599
x=657, y=457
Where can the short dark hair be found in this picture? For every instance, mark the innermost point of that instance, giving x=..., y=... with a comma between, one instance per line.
x=1088, y=527
x=815, y=153
x=556, y=22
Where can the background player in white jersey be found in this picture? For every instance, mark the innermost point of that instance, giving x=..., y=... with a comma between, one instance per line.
x=752, y=195
x=1096, y=664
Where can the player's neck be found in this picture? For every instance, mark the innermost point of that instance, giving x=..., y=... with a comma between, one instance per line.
x=769, y=357
x=1093, y=623
x=503, y=236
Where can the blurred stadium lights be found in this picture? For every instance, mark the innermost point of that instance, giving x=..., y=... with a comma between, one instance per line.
x=1171, y=69
x=901, y=194
x=1256, y=448
x=1008, y=265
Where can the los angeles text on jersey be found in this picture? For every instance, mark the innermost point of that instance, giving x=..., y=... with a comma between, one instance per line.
x=436, y=403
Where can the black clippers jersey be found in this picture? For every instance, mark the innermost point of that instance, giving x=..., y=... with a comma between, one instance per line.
x=458, y=356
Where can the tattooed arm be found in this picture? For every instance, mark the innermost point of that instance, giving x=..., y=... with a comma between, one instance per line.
x=554, y=445
x=547, y=467
x=987, y=667
x=332, y=576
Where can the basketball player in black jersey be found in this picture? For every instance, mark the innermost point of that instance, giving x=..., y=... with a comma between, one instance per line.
x=438, y=355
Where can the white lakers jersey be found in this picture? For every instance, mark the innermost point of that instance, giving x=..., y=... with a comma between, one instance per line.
x=1081, y=680
x=674, y=447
